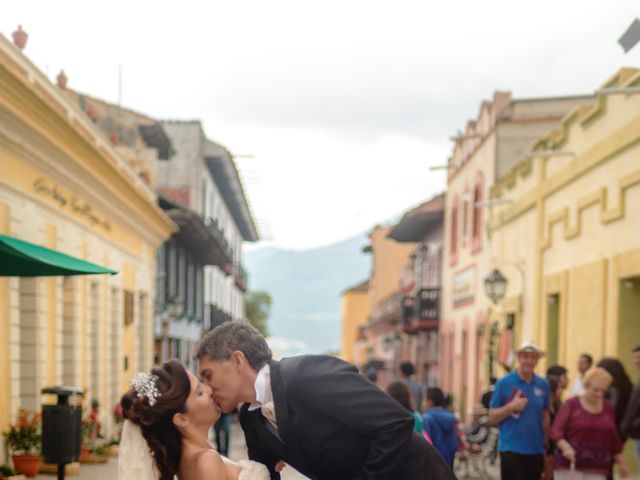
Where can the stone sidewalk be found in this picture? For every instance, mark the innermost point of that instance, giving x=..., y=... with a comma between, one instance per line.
x=238, y=451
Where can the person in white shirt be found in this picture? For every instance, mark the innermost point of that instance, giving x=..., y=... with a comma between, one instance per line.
x=584, y=363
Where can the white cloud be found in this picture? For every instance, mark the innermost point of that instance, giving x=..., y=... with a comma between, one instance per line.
x=344, y=104
x=287, y=347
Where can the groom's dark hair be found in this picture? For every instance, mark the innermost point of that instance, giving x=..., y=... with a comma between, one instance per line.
x=225, y=339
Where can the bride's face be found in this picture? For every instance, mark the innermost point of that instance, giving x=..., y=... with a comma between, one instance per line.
x=201, y=407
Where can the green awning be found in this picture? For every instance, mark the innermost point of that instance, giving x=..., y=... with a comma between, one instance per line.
x=23, y=259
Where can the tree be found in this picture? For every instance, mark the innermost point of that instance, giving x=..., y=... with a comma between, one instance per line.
x=257, y=306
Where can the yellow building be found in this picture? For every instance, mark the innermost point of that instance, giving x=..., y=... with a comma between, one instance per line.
x=572, y=223
x=63, y=186
x=503, y=132
x=388, y=261
x=380, y=341
x=355, y=313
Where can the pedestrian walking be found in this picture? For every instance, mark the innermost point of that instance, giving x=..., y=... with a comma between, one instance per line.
x=400, y=393
x=416, y=388
x=631, y=422
x=585, y=361
x=555, y=402
x=485, y=400
x=520, y=407
x=585, y=433
x=562, y=374
x=222, y=429
x=620, y=390
x=440, y=424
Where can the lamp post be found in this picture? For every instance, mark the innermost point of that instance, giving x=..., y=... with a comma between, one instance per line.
x=495, y=286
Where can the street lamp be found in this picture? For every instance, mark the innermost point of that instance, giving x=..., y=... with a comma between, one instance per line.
x=495, y=286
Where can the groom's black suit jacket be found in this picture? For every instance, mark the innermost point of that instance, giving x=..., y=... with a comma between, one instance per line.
x=334, y=424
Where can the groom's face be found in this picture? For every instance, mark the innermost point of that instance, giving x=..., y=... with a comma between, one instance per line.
x=226, y=379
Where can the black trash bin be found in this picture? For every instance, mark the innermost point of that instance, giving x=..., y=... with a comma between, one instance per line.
x=61, y=428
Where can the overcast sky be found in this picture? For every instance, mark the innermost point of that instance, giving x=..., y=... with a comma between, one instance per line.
x=344, y=104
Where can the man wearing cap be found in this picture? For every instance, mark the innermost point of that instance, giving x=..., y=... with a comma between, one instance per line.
x=520, y=406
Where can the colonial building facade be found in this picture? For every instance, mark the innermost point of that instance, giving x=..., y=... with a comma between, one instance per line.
x=64, y=186
x=355, y=311
x=201, y=286
x=503, y=132
x=421, y=282
x=379, y=342
x=571, y=220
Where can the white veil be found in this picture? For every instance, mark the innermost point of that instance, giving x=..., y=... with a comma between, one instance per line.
x=136, y=463
x=134, y=456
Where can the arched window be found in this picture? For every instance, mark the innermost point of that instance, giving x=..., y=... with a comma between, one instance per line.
x=466, y=199
x=476, y=222
x=453, y=245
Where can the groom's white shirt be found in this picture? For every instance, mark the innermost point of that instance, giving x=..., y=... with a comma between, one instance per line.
x=262, y=387
x=264, y=399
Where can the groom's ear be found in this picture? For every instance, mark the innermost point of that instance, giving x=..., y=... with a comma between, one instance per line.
x=238, y=359
x=180, y=420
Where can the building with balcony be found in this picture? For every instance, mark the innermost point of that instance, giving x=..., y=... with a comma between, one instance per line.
x=420, y=282
x=180, y=309
x=202, y=281
x=180, y=291
x=379, y=341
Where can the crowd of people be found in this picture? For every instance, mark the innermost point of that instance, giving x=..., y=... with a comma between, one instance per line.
x=547, y=427
x=321, y=416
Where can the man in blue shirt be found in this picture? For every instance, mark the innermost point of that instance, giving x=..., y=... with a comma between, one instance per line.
x=520, y=406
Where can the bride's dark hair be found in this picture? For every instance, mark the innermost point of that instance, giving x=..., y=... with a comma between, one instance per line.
x=156, y=421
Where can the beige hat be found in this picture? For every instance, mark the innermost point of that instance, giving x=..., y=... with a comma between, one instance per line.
x=530, y=347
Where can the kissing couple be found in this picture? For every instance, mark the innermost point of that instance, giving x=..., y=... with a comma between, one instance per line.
x=313, y=412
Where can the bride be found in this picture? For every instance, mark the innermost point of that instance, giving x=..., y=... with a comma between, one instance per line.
x=168, y=414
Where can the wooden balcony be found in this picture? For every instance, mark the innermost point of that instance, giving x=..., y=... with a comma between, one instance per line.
x=422, y=312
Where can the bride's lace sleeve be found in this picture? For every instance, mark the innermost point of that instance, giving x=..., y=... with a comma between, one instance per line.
x=253, y=471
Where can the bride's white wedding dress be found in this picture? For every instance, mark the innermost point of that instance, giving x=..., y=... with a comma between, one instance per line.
x=253, y=471
x=136, y=463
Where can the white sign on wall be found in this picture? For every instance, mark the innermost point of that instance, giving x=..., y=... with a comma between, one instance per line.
x=464, y=286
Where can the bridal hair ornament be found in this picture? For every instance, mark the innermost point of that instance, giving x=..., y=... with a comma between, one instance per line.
x=145, y=386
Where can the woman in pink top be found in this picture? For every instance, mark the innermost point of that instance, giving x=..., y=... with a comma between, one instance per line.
x=585, y=433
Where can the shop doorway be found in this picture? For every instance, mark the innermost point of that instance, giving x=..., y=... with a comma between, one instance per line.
x=628, y=321
x=553, y=328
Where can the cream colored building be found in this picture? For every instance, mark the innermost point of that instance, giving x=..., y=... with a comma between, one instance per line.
x=63, y=186
x=574, y=227
x=503, y=132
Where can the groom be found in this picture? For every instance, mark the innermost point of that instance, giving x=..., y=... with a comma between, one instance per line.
x=314, y=412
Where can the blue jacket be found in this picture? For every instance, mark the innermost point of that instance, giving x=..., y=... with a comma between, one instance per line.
x=440, y=424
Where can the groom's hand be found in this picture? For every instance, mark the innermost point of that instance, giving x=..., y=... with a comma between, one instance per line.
x=280, y=466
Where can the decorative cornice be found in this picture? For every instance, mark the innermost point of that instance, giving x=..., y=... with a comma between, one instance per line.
x=586, y=115
x=48, y=159
x=598, y=198
x=71, y=124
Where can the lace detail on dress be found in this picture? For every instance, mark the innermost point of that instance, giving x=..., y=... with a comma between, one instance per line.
x=253, y=471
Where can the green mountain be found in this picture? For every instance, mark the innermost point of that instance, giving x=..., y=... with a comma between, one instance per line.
x=305, y=287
